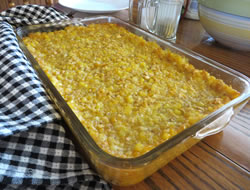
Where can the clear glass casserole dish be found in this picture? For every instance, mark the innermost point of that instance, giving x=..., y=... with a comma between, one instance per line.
x=128, y=171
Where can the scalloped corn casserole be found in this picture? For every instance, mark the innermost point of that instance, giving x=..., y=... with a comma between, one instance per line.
x=130, y=94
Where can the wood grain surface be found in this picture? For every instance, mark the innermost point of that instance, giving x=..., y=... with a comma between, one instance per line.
x=221, y=161
x=234, y=141
x=201, y=167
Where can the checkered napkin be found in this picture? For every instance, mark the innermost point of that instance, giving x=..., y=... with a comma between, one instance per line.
x=35, y=152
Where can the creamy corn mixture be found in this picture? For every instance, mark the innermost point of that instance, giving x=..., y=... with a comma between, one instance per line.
x=129, y=94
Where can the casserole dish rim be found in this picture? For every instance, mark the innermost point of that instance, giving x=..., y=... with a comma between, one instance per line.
x=149, y=156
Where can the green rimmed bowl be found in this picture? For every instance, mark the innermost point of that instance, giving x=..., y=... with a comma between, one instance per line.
x=227, y=21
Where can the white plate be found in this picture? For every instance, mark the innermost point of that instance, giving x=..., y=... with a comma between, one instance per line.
x=96, y=6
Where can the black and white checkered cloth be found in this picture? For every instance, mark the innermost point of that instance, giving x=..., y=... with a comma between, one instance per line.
x=31, y=14
x=35, y=152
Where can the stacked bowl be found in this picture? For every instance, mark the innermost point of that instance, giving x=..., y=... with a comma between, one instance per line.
x=227, y=21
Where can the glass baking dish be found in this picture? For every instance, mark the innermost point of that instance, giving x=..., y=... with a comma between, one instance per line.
x=128, y=171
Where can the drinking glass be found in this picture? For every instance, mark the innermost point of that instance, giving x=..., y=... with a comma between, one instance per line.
x=160, y=17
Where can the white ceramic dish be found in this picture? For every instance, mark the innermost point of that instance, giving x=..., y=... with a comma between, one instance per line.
x=228, y=29
x=96, y=6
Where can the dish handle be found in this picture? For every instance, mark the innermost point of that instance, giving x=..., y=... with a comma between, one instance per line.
x=217, y=126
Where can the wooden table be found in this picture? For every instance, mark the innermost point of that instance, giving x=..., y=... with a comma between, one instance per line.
x=220, y=161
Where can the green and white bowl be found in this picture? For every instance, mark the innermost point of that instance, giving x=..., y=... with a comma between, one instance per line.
x=227, y=21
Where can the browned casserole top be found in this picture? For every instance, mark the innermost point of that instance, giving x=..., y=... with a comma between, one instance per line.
x=129, y=94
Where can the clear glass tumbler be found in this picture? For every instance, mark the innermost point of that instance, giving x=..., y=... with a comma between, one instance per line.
x=160, y=17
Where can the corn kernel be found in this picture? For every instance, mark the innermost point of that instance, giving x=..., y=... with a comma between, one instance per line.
x=142, y=64
x=177, y=112
x=138, y=147
x=142, y=93
x=165, y=136
x=128, y=110
x=82, y=84
x=129, y=99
